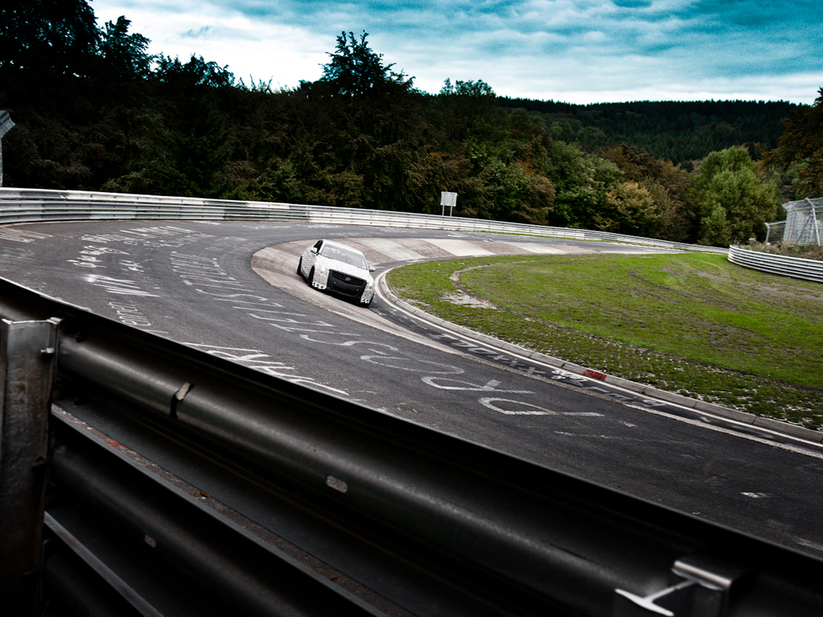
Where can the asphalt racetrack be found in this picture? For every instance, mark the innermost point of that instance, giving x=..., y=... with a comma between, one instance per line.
x=231, y=290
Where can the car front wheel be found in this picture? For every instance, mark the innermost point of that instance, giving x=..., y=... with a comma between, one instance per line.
x=300, y=267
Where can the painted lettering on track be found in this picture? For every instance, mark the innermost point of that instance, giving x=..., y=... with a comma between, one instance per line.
x=263, y=362
x=97, y=255
x=17, y=255
x=203, y=272
x=455, y=384
x=120, y=287
x=165, y=236
x=19, y=235
x=130, y=315
x=512, y=407
x=206, y=276
x=407, y=363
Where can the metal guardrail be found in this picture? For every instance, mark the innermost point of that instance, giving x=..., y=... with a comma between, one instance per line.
x=31, y=205
x=435, y=524
x=795, y=267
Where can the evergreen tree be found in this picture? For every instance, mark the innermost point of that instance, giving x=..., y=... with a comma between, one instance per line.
x=734, y=200
x=46, y=37
x=801, y=147
x=122, y=55
x=582, y=182
x=356, y=70
x=668, y=186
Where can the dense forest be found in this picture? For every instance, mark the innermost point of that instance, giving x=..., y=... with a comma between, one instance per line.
x=94, y=111
x=681, y=132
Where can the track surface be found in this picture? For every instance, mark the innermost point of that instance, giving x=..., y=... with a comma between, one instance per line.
x=231, y=290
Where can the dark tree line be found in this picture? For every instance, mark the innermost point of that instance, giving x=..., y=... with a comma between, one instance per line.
x=93, y=110
x=799, y=157
x=681, y=132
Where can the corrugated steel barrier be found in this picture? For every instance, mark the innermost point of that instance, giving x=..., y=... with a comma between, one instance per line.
x=795, y=267
x=31, y=205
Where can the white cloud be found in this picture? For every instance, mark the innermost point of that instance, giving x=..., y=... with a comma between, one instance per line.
x=570, y=50
x=261, y=49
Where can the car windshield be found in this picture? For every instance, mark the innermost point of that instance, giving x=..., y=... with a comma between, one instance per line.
x=345, y=255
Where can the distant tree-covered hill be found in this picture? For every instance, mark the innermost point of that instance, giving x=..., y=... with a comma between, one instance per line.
x=677, y=131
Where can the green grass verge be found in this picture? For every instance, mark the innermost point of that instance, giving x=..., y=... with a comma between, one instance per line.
x=689, y=323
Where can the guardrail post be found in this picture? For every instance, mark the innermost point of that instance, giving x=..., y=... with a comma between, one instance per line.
x=5, y=126
x=27, y=368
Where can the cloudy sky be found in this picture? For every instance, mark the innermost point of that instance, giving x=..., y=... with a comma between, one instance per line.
x=576, y=51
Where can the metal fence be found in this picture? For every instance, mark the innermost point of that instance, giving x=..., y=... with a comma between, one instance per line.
x=31, y=205
x=775, y=232
x=803, y=224
x=432, y=524
x=803, y=221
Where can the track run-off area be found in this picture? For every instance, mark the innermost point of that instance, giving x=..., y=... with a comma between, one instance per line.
x=231, y=290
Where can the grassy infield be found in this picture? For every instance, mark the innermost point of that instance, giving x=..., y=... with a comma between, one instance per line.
x=689, y=323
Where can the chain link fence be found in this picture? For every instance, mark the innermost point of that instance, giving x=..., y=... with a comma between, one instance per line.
x=802, y=224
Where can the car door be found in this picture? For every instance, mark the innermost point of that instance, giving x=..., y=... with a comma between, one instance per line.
x=310, y=257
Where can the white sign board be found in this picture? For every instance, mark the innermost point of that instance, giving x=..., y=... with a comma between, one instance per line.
x=448, y=199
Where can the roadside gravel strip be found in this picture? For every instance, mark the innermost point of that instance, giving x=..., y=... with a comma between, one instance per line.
x=274, y=264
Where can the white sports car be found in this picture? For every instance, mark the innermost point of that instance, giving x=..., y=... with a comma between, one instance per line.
x=339, y=269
